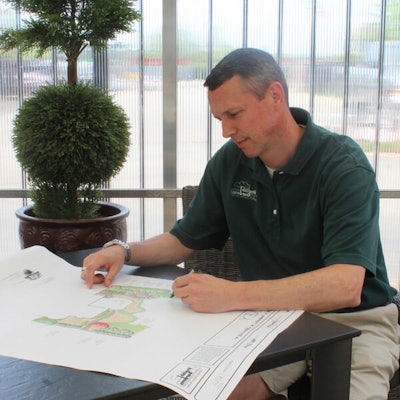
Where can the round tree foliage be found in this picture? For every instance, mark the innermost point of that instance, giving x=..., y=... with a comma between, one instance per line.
x=70, y=133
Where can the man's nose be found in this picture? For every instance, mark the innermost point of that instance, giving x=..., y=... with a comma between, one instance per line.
x=227, y=129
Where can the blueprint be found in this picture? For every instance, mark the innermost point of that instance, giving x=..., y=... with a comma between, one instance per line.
x=53, y=318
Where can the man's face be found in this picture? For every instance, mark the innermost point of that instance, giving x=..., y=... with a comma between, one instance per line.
x=251, y=123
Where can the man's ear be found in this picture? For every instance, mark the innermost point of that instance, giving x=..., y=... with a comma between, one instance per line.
x=277, y=92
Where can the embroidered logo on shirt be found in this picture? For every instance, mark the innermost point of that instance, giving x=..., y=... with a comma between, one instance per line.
x=242, y=189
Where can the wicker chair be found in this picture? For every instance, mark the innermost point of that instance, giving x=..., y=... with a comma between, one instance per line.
x=211, y=261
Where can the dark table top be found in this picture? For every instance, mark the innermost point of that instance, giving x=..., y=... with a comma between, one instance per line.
x=26, y=380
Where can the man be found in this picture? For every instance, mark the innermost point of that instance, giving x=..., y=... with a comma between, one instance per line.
x=301, y=205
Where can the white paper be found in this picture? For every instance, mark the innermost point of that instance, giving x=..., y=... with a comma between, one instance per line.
x=133, y=329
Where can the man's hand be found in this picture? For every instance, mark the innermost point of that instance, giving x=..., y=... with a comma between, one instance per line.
x=110, y=260
x=204, y=293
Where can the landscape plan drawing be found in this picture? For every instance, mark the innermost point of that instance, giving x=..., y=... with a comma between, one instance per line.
x=133, y=329
x=119, y=319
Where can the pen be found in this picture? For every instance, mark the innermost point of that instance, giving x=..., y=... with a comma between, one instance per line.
x=192, y=271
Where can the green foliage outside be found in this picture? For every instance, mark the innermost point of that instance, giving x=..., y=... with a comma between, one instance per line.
x=384, y=147
x=372, y=31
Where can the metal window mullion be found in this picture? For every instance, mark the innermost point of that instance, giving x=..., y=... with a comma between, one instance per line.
x=100, y=68
x=19, y=60
x=312, y=57
x=245, y=22
x=169, y=46
x=151, y=193
x=209, y=67
x=380, y=82
x=141, y=121
x=100, y=79
x=54, y=60
x=346, y=68
x=20, y=78
x=280, y=33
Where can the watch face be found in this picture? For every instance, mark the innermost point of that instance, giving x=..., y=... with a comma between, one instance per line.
x=123, y=244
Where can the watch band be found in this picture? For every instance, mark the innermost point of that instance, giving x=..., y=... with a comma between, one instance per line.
x=117, y=242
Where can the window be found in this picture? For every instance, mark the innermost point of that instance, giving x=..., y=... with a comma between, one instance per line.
x=341, y=58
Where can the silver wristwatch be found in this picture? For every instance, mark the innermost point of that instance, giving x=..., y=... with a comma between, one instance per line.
x=122, y=244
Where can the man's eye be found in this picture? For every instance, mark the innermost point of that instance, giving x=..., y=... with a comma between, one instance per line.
x=232, y=114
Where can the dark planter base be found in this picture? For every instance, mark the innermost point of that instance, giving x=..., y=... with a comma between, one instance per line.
x=61, y=236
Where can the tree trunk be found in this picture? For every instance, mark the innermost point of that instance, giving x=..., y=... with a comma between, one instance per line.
x=72, y=72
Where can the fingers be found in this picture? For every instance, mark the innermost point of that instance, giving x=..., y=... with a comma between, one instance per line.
x=91, y=278
x=204, y=293
x=179, y=285
x=107, y=259
x=110, y=276
x=190, y=285
x=88, y=274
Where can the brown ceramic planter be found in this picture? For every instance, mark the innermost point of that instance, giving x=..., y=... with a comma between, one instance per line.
x=63, y=235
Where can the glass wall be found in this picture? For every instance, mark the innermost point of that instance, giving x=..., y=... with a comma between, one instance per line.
x=341, y=58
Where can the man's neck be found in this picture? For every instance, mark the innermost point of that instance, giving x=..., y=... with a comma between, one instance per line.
x=281, y=155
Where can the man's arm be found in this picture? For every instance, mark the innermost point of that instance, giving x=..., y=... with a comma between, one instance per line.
x=160, y=250
x=326, y=289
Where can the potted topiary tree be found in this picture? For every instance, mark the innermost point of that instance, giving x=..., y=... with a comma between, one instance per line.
x=70, y=137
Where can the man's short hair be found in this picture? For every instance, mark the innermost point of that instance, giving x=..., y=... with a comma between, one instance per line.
x=257, y=67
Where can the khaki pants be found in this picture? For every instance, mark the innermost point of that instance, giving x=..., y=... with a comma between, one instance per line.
x=375, y=355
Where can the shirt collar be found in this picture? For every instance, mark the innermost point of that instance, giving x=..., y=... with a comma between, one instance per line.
x=308, y=143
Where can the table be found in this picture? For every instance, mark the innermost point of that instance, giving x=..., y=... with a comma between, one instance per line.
x=327, y=344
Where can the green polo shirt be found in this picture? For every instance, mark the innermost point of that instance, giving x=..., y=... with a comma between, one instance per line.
x=321, y=209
